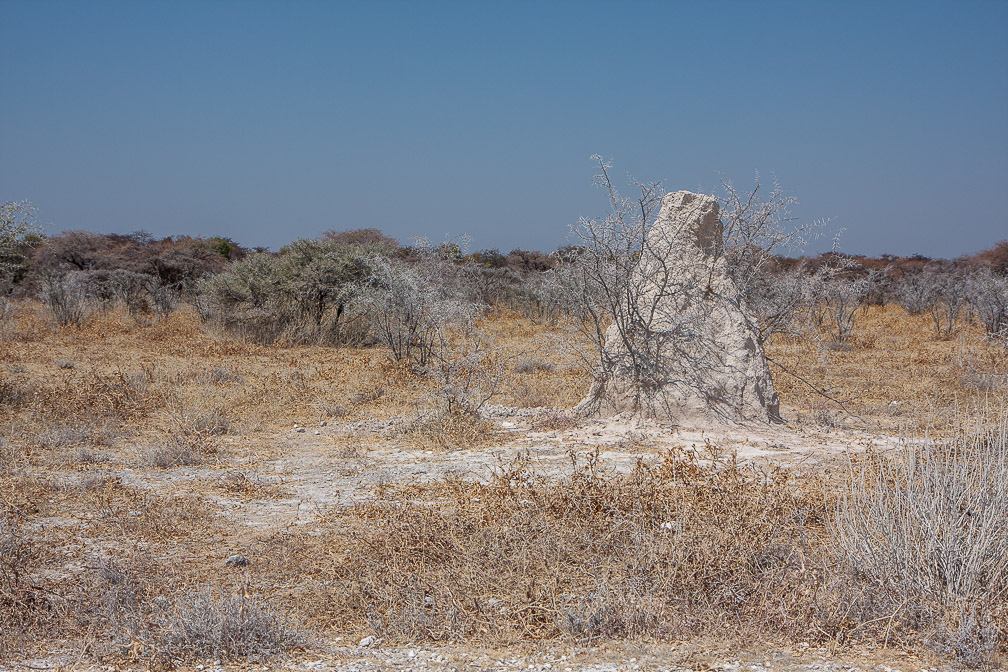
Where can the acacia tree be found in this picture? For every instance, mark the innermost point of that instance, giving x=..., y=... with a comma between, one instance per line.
x=18, y=224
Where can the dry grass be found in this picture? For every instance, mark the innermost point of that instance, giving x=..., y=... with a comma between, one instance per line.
x=678, y=551
x=686, y=549
x=895, y=373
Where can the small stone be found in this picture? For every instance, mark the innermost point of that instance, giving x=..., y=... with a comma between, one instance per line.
x=237, y=561
x=367, y=641
x=317, y=432
x=301, y=430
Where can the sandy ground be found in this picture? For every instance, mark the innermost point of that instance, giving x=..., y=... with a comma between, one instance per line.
x=312, y=466
x=314, y=471
x=338, y=656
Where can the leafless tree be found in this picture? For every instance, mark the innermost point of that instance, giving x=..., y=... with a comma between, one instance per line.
x=756, y=228
x=424, y=314
x=987, y=293
x=625, y=281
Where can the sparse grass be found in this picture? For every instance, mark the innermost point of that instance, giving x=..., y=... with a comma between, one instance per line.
x=673, y=552
x=173, y=452
x=676, y=551
x=451, y=430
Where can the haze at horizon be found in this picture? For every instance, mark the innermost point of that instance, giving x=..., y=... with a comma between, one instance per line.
x=266, y=122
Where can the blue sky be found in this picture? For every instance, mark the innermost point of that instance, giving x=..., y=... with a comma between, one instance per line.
x=271, y=121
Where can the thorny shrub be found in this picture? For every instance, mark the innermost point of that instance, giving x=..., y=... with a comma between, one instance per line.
x=928, y=526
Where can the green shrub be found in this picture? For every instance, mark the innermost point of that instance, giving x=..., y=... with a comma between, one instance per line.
x=304, y=294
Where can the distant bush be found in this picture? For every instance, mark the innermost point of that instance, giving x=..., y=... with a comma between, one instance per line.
x=411, y=306
x=19, y=233
x=987, y=293
x=67, y=298
x=949, y=283
x=835, y=293
x=995, y=258
x=371, y=239
x=776, y=300
x=304, y=294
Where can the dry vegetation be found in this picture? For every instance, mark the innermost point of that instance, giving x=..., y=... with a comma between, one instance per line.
x=105, y=551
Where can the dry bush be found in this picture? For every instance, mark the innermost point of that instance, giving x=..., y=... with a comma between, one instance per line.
x=682, y=550
x=67, y=298
x=81, y=432
x=174, y=451
x=928, y=525
x=454, y=429
x=553, y=419
x=25, y=606
x=250, y=485
x=135, y=616
x=533, y=365
x=204, y=625
x=304, y=294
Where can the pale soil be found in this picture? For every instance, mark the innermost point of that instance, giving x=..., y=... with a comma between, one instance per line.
x=627, y=657
x=315, y=468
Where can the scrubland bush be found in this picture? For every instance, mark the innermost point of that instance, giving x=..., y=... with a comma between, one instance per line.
x=836, y=293
x=202, y=625
x=929, y=526
x=305, y=294
x=949, y=286
x=67, y=298
x=412, y=310
x=916, y=292
x=127, y=607
x=425, y=312
x=19, y=233
x=987, y=293
x=372, y=239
